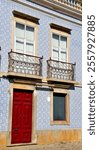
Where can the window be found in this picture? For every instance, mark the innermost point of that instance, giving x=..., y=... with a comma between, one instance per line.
x=60, y=45
x=25, y=36
x=60, y=107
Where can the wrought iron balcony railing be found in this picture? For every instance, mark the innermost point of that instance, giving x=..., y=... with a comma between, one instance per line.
x=25, y=64
x=76, y=4
x=60, y=70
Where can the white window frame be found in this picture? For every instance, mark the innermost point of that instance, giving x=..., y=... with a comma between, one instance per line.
x=26, y=23
x=64, y=34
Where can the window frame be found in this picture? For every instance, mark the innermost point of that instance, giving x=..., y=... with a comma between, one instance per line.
x=67, y=106
x=26, y=23
x=64, y=34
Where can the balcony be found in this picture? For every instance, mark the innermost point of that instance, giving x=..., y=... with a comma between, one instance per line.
x=58, y=71
x=76, y=4
x=23, y=65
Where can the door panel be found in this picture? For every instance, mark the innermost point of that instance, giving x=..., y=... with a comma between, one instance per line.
x=21, y=116
x=27, y=117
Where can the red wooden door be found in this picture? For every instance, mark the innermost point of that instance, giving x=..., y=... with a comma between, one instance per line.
x=21, y=117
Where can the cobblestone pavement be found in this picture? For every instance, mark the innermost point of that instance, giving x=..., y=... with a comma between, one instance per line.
x=58, y=146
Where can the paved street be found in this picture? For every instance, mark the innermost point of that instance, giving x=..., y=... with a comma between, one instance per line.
x=58, y=146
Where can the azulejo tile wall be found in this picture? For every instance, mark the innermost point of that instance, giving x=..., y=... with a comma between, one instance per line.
x=4, y=104
x=43, y=105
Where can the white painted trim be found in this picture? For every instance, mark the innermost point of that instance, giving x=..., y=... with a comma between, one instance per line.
x=61, y=33
x=31, y=24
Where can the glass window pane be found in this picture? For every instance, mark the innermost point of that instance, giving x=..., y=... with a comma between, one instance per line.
x=19, y=46
x=63, y=42
x=20, y=28
x=29, y=33
x=59, y=106
x=55, y=38
x=55, y=54
x=63, y=56
x=29, y=48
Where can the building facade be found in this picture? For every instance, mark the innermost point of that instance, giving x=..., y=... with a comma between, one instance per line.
x=40, y=71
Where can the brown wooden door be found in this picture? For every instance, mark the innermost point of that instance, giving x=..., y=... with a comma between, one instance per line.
x=21, y=117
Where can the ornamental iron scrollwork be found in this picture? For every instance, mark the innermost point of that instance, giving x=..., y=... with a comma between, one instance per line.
x=76, y=4
x=60, y=70
x=25, y=64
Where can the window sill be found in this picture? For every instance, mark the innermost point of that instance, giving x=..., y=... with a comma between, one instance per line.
x=60, y=122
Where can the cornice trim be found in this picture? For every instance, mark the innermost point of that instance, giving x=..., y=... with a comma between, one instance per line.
x=61, y=16
x=67, y=10
x=25, y=16
x=61, y=28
